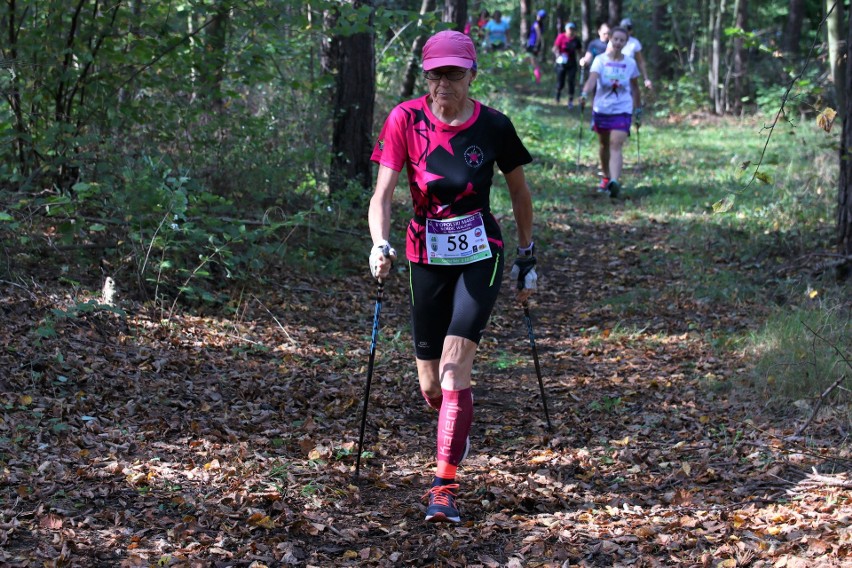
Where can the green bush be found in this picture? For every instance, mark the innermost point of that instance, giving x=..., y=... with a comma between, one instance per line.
x=800, y=353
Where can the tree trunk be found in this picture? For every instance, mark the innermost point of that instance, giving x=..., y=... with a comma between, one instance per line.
x=352, y=123
x=23, y=150
x=455, y=11
x=660, y=58
x=524, y=29
x=740, y=68
x=587, y=28
x=601, y=12
x=844, y=190
x=793, y=33
x=716, y=88
x=215, y=57
x=836, y=49
x=413, y=68
x=615, y=12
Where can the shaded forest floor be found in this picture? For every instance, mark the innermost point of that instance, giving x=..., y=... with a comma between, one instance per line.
x=228, y=439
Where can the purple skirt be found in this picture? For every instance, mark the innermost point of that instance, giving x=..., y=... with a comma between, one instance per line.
x=605, y=122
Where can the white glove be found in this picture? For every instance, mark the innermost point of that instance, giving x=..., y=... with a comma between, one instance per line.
x=523, y=271
x=382, y=256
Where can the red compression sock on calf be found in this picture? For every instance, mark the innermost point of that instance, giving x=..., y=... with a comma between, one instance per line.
x=454, y=422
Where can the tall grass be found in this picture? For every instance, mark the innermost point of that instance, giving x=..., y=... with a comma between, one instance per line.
x=762, y=252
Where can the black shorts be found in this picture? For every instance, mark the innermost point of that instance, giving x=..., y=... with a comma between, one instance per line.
x=533, y=49
x=452, y=300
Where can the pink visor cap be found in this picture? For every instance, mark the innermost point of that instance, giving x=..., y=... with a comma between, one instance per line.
x=449, y=48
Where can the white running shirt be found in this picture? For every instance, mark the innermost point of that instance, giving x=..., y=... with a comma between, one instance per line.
x=612, y=92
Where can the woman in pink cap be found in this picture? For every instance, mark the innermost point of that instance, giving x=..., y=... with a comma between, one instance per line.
x=449, y=144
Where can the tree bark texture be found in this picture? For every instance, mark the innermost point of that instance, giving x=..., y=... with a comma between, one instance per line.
x=740, y=87
x=455, y=12
x=793, y=33
x=524, y=24
x=844, y=190
x=660, y=59
x=352, y=123
x=601, y=12
x=410, y=79
x=215, y=58
x=836, y=48
x=615, y=12
x=717, y=95
x=587, y=28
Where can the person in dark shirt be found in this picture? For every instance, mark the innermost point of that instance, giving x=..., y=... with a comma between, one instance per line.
x=596, y=46
x=566, y=48
x=448, y=145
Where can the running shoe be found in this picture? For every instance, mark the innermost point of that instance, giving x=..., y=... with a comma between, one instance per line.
x=570, y=104
x=537, y=73
x=614, y=189
x=603, y=186
x=442, y=504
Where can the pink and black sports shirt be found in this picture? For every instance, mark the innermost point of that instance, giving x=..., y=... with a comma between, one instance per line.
x=450, y=168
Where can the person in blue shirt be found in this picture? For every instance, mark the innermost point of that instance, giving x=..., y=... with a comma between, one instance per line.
x=497, y=31
x=596, y=46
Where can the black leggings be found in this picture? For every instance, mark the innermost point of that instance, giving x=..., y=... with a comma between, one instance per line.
x=452, y=300
x=562, y=72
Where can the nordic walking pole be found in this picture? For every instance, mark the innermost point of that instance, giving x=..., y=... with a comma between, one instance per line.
x=638, y=152
x=528, y=320
x=372, y=359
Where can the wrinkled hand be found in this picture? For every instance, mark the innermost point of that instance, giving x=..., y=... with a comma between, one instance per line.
x=523, y=272
x=382, y=257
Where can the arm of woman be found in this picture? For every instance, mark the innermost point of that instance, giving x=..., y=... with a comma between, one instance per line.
x=522, y=208
x=379, y=217
x=591, y=85
x=640, y=62
x=634, y=92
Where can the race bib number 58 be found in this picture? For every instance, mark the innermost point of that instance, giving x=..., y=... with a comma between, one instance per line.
x=460, y=240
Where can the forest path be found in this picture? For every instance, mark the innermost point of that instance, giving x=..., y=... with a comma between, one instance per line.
x=226, y=438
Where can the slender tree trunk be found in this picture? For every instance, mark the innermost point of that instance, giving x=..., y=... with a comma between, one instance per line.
x=22, y=148
x=615, y=12
x=660, y=58
x=740, y=66
x=413, y=68
x=844, y=190
x=601, y=12
x=716, y=91
x=793, y=33
x=215, y=57
x=455, y=11
x=836, y=48
x=352, y=124
x=587, y=28
x=524, y=25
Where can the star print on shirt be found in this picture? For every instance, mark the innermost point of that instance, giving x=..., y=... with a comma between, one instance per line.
x=430, y=136
x=473, y=156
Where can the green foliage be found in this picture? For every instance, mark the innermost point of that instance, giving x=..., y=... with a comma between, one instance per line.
x=802, y=352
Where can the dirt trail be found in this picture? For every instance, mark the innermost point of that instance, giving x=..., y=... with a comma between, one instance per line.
x=226, y=441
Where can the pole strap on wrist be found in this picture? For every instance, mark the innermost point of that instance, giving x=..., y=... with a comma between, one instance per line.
x=527, y=251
